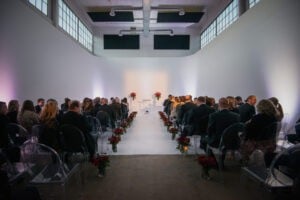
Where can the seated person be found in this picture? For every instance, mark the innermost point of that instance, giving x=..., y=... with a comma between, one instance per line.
x=74, y=118
x=218, y=122
x=259, y=133
x=48, y=118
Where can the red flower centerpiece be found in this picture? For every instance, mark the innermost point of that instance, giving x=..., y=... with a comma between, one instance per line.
x=183, y=143
x=118, y=131
x=114, y=140
x=132, y=95
x=157, y=95
x=173, y=131
x=207, y=163
x=100, y=161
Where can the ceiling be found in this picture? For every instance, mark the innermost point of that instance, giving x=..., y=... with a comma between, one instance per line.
x=146, y=13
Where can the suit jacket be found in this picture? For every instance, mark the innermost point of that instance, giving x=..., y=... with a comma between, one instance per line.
x=217, y=123
x=185, y=112
x=246, y=112
x=77, y=120
x=199, y=119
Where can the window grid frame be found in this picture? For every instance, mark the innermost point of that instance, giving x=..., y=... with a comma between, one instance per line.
x=40, y=5
x=252, y=3
x=229, y=15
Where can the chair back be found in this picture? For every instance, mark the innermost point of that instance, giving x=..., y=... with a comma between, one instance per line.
x=231, y=139
x=297, y=129
x=17, y=133
x=72, y=139
x=37, y=130
x=285, y=167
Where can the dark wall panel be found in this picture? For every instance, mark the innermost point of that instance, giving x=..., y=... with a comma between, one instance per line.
x=121, y=42
x=105, y=17
x=174, y=17
x=172, y=42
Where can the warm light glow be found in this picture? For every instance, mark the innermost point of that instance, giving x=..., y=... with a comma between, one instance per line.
x=144, y=82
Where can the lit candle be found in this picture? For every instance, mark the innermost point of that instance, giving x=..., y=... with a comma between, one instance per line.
x=185, y=148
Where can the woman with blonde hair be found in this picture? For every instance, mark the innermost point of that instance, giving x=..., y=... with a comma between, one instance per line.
x=49, y=134
x=260, y=131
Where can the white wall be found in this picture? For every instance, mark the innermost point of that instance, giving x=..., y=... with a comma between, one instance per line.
x=258, y=55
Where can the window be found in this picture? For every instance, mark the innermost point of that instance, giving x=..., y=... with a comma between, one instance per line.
x=223, y=21
x=67, y=20
x=41, y=5
x=252, y=3
x=209, y=34
x=85, y=36
x=228, y=16
x=70, y=23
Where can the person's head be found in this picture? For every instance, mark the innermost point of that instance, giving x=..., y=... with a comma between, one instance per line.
x=231, y=101
x=41, y=102
x=74, y=106
x=49, y=111
x=210, y=101
x=27, y=105
x=97, y=100
x=117, y=99
x=223, y=103
x=170, y=96
x=238, y=100
x=188, y=98
x=265, y=106
x=3, y=108
x=13, y=105
x=124, y=100
x=201, y=100
x=87, y=105
x=274, y=100
x=251, y=100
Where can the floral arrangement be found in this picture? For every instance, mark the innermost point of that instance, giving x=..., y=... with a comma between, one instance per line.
x=124, y=125
x=168, y=123
x=207, y=163
x=114, y=140
x=157, y=95
x=173, y=131
x=101, y=162
x=183, y=143
x=118, y=131
x=132, y=95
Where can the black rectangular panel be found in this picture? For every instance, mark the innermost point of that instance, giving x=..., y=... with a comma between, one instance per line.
x=178, y=42
x=105, y=17
x=121, y=42
x=174, y=17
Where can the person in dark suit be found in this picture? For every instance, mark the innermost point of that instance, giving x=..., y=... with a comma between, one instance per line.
x=167, y=105
x=40, y=103
x=199, y=117
x=104, y=107
x=185, y=110
x=74, y=118
x=247, y=110
x=219, y=121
